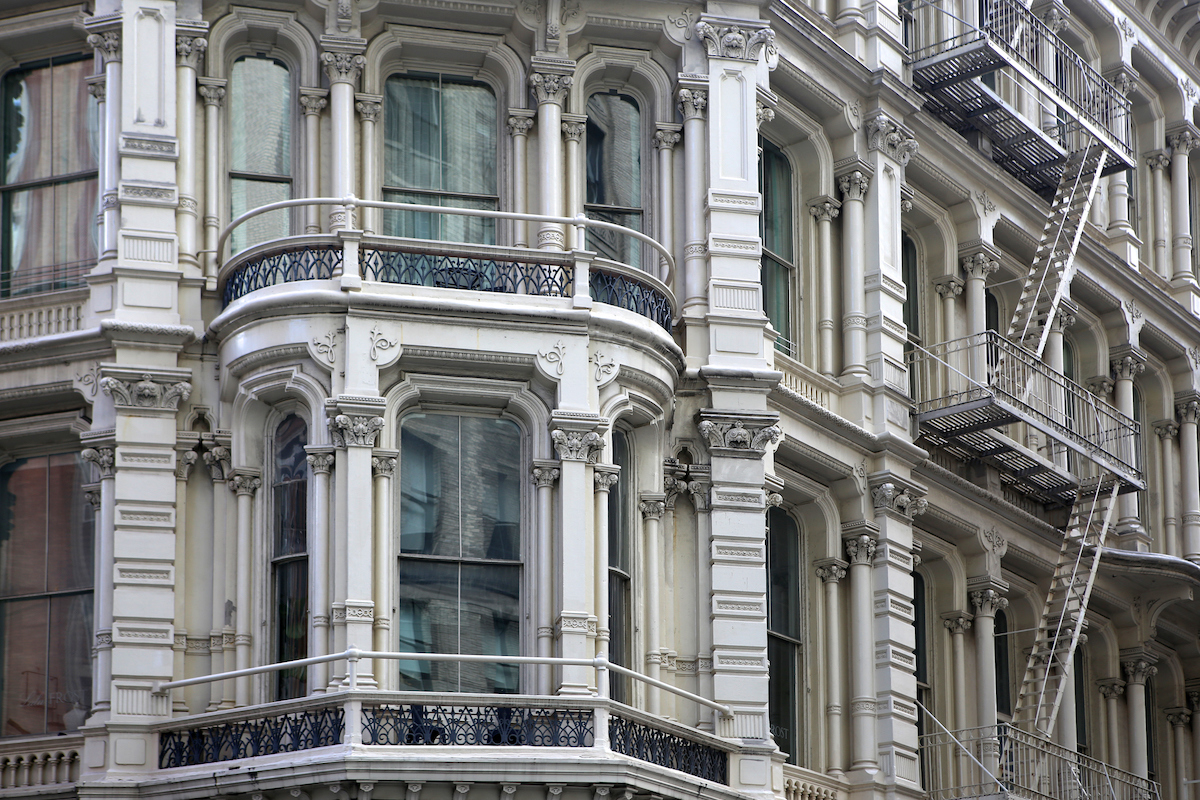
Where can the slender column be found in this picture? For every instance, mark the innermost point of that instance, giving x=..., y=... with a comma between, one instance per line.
x=1181, y=145
x=1054, y=357
x=831, y=572
x=1136, y=673
x=519, y=123
x=665, y=139
x=605, y=477
x=1066, y=734
x=824, y=211
x=217, y=460
x=312, y=103
x=1179, y=719
x=320, y=463
x=97, y=88
x=958, y=623
x=383, y=468
x=1189, y=475
x=212, y=92
x=103, y=459
x=1158, y=161
x=185, y=460
x=693, y=283
x=550, y=89
x=545, y=475
x=1167, y=430
x=1111, y=690
x=368, y=107
x=854, y=272
x=342, y=69
x=860, y=552
x=652, y=506
x=976, y=268
x=1194, y=702
x=1126, y=367
x=987, y=602
x=702, y=502
x=949, y=287
x=108, y=46
x=244, y=485
x=188, y=50
x=573, y=128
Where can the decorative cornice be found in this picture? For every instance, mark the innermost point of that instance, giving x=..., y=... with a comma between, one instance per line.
x=573, y=131
x=1166, y=428
x=184, y=463
x=547, y=476
x=320, y=463
x=368, y=109
x=382, y=466
x=217, y=460
x=987, y=602
x=979, y=265
x=832, y=570
x=245, y=484
x=1138, y=670
x=108, y=43
x=189, y=50
x=957, y=623
x=212, y=95
x=666, y=140
x=948, y=286
x=652, y=506
x=736, y=434
x=825, y=209
x=519, y=126
x=550, y=87
x=1111, y=688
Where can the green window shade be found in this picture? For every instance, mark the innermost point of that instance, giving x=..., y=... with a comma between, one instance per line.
x=775, y=227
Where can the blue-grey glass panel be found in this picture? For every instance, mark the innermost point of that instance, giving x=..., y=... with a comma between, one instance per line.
x=248, y=193
x=260, y=114
x=614, y=151
x=783, y=569
x=442, y=227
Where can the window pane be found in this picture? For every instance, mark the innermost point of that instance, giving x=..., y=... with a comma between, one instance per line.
x=69, y=662
x=468, y=138
x=48, y=114
x=783, y=566
x=260, y=113
x=428, y=623
x=429, y=481
x=619, y=507
x=616, y=245
x=23, y=640
x=291, y=488
x=68, y=526
x=51, y=234
x=24, y=507
x=445, y=227
x=491, y=494
x=412, y=142
x=248, y=194
x=777, y=295
x=614, y=152
x=777, y=202
x=489, y=625
x=620, y=648
x=291, y=621
x=783, y=657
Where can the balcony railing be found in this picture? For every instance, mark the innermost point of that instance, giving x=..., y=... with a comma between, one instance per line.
x=30, y=763
x=1025, y=766
x=968, y=387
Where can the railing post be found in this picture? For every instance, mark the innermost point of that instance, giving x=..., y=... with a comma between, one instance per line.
x=601, y=716
x=581, y=292
x=351, y=269
x=352, y=734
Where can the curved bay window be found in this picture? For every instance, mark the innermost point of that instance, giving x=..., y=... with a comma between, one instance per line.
x=46, y=534
x=439, y=149
x=620, y=568
x=261, y=113
x=775, y=227
x=784, y=630
x=614, y=175
x=289, y=558
x=460, y=550
x=49, y=188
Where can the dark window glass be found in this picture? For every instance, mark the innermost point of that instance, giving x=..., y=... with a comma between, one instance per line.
x=48, y=196
x=620, y=572
x=1151, y=731
x=614, y=175
x=439, y=140
x=775, y=227
x=46, y=561
x=784, y=628
x=460, y=546
x=1081, y=684
x=910, y=272
x=290, y=554
x=1003, y=687
x=921, y=652
x=260, y=158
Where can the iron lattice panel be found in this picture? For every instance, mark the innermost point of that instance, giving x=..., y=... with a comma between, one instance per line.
x=630, y=294
x=667, y=750
x=285, y=733
x=418, y=724
x=462, y=272
x=314, y=263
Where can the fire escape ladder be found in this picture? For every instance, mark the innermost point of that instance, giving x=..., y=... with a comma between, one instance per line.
x=1050, y=273
x=1062, y=621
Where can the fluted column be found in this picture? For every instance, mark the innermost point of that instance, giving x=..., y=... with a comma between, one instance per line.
x=854, y=270
x=986, y=603
x=976, y=269
x=1158, y=161
x=1181, y=144
x=342, y=68
x=824, y=210
x=1136, y=673
x=103, y=458
x=189, y=50
x=1180, y=718
x=545, y=475
x=958, y=623
x=383, y=468
x=1167, y=430
x=1126, y=366
x=312, y=103
x=693, y=283
x=665, y=139
x=1189, y=474
x=212, y=92
x=652, y=505
x=244, y=484
x=320, y=464
x=831, y=572
x=550, y=87
x=519, y=123
x=368, y=108
x=1111, y=690
x=860, y=553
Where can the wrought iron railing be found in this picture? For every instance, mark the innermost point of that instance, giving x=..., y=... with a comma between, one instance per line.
x=661, y=747
x=465, y=725
x=534, y=276
x=625, y=291
x=244, y=738
x=975, y=370
x=310, y=261
x=1025, y=766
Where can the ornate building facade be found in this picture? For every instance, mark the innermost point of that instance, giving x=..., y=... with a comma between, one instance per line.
x=572, y=399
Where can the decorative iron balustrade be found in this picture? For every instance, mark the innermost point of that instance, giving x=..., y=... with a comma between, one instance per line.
x=286, y=265
x=442, y=271
x=666, y=749
x=228, y=741
x=625, y=292
x=419, y=724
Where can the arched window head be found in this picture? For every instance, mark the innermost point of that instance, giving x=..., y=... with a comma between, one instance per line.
x=778, y=259
x=261, y=114
x=614, y=174
x=439, y=149
x=289, y=553
x=785, y=628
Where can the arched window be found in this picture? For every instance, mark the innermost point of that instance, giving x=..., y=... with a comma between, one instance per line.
x=261, y=113
x=460, y=550
x=910, y=273
x=614, y=174
x=620, y=567
x=921, y=652
x=289, y=553
x=778, y=259
x=1003, y=675
x=48, y=187
x=991, y=310
x=784, y=630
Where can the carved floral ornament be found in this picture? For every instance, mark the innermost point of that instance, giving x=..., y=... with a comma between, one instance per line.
x=887, y=497
x=693, y=103
x=343, y=67
x=550, y=87
x=732, y=41
x=885, y=135
x=861, y=549
x=577, y=445
x=103, y=458
x=736, y=436
x=146, y=393
x=360, y=431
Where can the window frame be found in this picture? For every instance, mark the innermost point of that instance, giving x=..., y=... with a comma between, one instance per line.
x=270, y=457
x=796, y=642
x=787, y=341
x=623, y=500
x=643, y=139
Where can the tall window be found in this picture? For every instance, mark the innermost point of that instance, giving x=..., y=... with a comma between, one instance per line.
x=1003, y=676
x=620, y=567
x=775, y=227
x=1079, y=675
x=910, y=273
x=921, y=651
x=439, y=150
x=784, y=629
x=460, y=550
x=614, y=174
x=289, y=563
x=48, y=192
x=261, y=114
x=46, y=534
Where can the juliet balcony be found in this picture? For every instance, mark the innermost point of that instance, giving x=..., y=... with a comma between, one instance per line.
x=354, y=261
x=1012, y=79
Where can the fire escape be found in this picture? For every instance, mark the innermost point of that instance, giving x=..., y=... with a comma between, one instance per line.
x=1057, y=126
